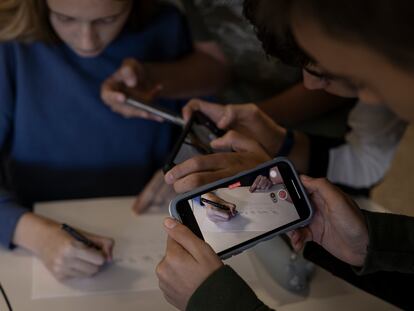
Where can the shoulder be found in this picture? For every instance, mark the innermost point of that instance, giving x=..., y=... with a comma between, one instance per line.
x=170, y=14
x=169, y=28
x=8, y=51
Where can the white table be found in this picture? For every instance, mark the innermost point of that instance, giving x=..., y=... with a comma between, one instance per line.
x=327, y=292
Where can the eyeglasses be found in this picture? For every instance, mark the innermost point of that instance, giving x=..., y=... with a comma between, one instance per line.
x=331, y=78
x=6, y=299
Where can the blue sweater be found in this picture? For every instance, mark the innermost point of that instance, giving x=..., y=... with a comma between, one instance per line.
x=58, y=140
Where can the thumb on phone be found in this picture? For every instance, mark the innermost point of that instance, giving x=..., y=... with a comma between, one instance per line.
x=184, y=237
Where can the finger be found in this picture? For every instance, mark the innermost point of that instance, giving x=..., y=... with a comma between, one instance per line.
x=106, y=244
x=236, y=115
x=82, y=267
x=129, y=72
x=70, y=273
x=300, y=237
x=196, y=180
x=263, y=183
x=217, y=213
x=253, y=187
x=146, y=197
x=141, y=203
x=213, y=111
x=174, y=249
x=295, y=240
x=111, y=93
x=323, y=187
x=217, y=219
x=89, y=255
x=235, y=141
x=198, y=164
x=231, y=206
x=228, y=117
x=184, y=237
x=155, y=91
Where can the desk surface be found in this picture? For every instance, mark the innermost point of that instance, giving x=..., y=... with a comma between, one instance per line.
x=327, y=292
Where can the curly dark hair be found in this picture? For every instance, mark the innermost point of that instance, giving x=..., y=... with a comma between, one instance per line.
x=276, y=37
x=383, y=25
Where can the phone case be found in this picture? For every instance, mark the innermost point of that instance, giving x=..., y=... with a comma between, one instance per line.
x=206, y=188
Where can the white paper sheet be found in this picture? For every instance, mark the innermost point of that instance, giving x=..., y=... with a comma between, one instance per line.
x=139, y=246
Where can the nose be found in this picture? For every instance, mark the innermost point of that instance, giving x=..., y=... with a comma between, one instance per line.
x=88, y=38
x=369, y=97
x=313, y=83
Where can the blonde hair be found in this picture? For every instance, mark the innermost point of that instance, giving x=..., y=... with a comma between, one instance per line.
x=28, y=20
x=25, y=20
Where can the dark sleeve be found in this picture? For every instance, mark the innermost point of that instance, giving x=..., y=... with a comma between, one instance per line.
x=319, y=154
x=10, y=209
x=225, y=290
x=391, y=243
x=320, y=147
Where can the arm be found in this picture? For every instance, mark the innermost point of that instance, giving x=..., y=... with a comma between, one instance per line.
x=10, y=210
x=299, y=104
x=391, y=249
x=369, y=148
x=193, y=277
x=10, y=214
x=63, y=256
x=203, y=72
x=230, y=292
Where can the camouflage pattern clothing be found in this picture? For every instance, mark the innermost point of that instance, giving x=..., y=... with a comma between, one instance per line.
x=255, y=76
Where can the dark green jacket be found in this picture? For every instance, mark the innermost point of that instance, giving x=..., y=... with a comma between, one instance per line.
x=391, y=248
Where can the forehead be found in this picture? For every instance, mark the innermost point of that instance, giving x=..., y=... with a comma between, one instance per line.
x=88, y=9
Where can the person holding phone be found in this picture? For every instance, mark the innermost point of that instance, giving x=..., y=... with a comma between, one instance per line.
x=371, y=62
x=57, y=140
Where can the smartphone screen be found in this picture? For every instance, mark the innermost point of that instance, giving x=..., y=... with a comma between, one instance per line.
x=195, y=140
x=247, y=208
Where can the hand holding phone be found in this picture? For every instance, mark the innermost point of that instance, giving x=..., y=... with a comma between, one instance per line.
x=247, y=119
x=279, y=207
x=130, y=80
x=204, y=169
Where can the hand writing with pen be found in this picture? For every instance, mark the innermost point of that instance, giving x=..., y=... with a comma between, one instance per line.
x=217, y=209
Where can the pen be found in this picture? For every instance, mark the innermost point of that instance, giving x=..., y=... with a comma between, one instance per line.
x=80, y=237
x=215, y=204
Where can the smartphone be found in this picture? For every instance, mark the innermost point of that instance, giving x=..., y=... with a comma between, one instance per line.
x=194, y=140
x=261, y=203
x=157, y=110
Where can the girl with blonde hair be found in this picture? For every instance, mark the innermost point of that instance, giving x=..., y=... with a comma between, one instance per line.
x=57, y=140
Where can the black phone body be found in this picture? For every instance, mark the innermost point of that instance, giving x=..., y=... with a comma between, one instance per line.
x=260, y=214
x=194, y=140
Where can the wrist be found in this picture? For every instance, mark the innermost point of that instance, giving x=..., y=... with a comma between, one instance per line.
x=287, y=144
x=278, y=137
x=32, y=232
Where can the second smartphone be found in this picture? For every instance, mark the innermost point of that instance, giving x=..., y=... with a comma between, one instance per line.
x=194, y=140
x=236, y=213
